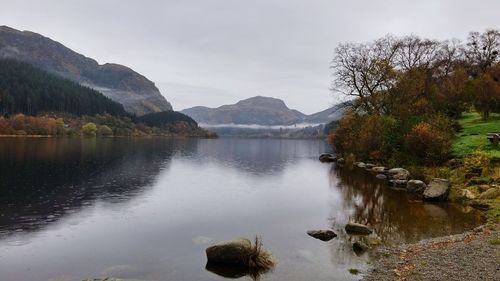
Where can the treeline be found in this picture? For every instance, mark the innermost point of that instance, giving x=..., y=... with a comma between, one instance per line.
x=57, y=124
x=30, y=90
x=408, y=91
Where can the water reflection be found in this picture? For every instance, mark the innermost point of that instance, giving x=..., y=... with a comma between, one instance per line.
x=44, y=179
x=395, y=215
x=147, y=208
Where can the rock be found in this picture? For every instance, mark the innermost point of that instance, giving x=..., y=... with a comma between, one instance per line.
x=398, y=183
x=340, y=160
x=483, y=187
x=357, y=228
x=483, y=206
x=467, y=194
x=455, y=163
x=360, y=165
x=416, y=186
x=480, y=180
x=379, y=170
x=399, y=174
x=235, y=252
x=323, y=235
x=360, y=247
x=437, y=190
x=381, y=176
x=327, y=157
x=369, y=166
x=491, y=193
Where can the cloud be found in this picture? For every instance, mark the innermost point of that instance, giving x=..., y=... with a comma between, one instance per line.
x=231, y=50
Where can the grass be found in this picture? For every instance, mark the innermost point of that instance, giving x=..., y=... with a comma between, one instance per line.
x=474, y=133
x=260, y=258
x=495, y=241
x=353, y=271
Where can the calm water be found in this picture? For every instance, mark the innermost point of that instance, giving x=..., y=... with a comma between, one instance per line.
x=147, y=209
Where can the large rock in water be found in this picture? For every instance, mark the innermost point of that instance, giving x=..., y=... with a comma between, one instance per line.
x=327, y=157
x=357, y=228
x=399, y=174
x=323, y=235
x=236, y=252
x=416, y=186
x=437, y=190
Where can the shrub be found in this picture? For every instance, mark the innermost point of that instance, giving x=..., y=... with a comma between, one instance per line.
x=105, y=131
x=89, y=129
x=428, y=144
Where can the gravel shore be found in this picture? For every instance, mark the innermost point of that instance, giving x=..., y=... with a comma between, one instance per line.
x=473, y=255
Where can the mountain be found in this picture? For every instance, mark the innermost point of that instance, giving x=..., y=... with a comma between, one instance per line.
x=135, y=92
x=256, y=110
x=30, y=90
x=333, y=113
x=263, y=111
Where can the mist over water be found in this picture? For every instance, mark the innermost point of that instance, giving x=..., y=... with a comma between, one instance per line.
x=147, y=208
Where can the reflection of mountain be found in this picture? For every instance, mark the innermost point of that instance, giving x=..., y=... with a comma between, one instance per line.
x=41, y=180
x=265, y=156
x=393, y=214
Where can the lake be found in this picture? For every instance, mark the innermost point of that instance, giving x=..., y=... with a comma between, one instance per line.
x=146, y=209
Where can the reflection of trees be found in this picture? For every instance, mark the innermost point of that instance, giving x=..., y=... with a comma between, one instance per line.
x=44, y=179
x=394, y=215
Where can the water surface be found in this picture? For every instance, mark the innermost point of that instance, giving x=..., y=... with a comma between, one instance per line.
x=147, y=208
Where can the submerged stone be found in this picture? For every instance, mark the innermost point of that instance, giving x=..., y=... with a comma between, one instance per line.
x=357, y=228
x=323, y=235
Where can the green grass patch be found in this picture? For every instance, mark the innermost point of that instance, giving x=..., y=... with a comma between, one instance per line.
x=353, y=271
x=495, y=241
x=474, y=133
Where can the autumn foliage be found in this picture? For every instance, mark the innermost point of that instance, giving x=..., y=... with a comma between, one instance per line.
x=408, y=92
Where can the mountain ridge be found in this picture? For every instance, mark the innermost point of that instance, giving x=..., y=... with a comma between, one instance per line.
x=120, y=83
x=250, y=112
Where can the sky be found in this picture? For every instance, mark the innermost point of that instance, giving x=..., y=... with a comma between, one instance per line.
x=215, y=52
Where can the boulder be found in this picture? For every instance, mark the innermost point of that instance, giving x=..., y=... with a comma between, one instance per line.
x=416, y=186
x=236, y=252
x=340, y=160
x=398, y=183
x=357, y=228
x=483, y=187
x=327, y=157
x=369, y=166
x=399, y=174
x=379, y=169
x=491, y=193
x=381, y=176
x=467, y=194
x=360, y=247
x=360, y=165
x=437, y=190
x=323, y=235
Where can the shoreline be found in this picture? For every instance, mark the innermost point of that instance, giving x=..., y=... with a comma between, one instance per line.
x=471, y=255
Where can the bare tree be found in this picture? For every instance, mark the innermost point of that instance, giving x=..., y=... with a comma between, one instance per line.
x=482, y=51
x=363, y=71
x=415, y=52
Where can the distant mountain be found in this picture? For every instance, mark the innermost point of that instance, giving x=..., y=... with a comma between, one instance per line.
x=256, y=110
x=333, y=113
x=263, y=111
x=135, y=92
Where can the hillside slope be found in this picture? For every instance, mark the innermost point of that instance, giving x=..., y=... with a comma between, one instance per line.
x=135, y=92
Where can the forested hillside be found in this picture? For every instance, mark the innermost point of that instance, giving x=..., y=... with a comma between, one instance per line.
x=29, y=90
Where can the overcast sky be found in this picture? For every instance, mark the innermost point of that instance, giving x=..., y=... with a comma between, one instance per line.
x=214, y=52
